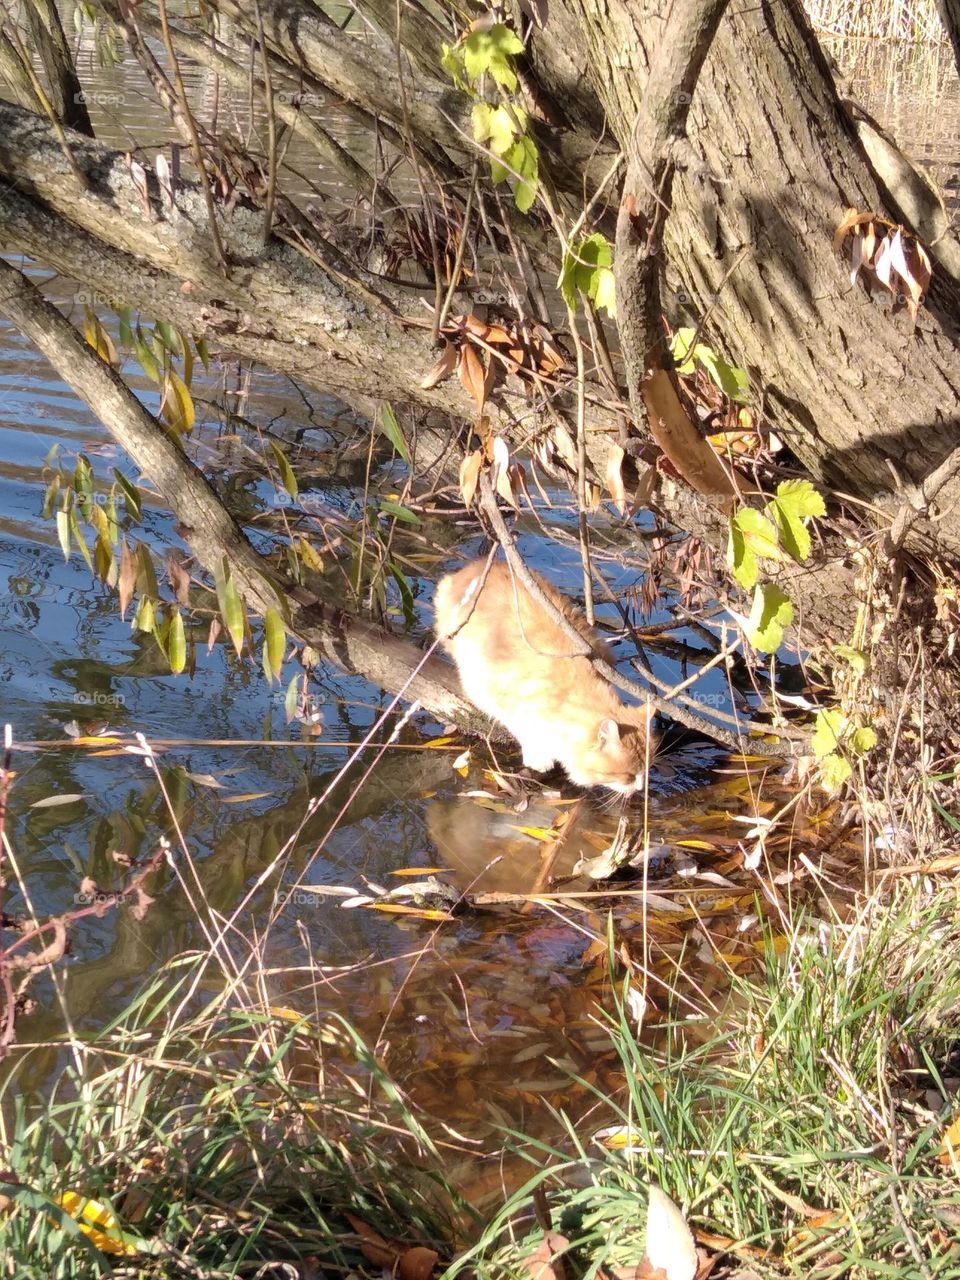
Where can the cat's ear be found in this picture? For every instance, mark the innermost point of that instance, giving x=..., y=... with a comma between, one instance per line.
x=608, y=735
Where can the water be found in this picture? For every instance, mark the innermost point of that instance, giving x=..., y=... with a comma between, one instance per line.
x=481, y=1017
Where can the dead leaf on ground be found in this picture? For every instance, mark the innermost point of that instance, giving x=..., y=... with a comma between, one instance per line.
x=670, y=1243
x=417, y=1263
x=546, y=1261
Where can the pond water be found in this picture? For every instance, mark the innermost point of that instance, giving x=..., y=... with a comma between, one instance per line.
x=481, y=1017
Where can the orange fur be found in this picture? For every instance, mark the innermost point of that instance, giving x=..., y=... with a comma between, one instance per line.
x=518, y=666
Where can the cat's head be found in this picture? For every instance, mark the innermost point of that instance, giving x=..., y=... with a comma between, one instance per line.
x=616, y=755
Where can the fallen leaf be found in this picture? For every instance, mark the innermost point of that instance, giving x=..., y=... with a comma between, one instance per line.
x=670, y=1243
x=546, y=1261
x=417, y=1263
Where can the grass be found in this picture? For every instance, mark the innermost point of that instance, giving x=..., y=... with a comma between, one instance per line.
x=807, y=1131
x=915, y=20
x=802, y=1131
x=219, y=1143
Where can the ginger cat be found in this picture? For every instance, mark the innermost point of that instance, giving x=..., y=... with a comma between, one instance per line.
x=518, y=666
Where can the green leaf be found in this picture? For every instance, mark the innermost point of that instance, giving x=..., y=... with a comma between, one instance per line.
x=399, y=512
x=200, y=345
x=146, y=574
x=834, y=771
x=291, y=698
x=740, y=559
x=148, y=361
x=131, y=498
x=828, y=729
x=145, y=618
x=406, y=595
x=682, y=350
x=732, y=381
x=287, y=477
x=176, y=643
x=126, y=332
x=274, y=642
x=586, y=267
x=78, y=538
x=522, y=159
x=863, y=740
x=497, y=125
x=856, y=657
x=177, y=409
x=758, y=533
x=169, y=337
x=799, y=498
x=605, y=294
x=391, y=429
x=795, y=502
x=491, y=51
x=231, y=607
x=771, y=613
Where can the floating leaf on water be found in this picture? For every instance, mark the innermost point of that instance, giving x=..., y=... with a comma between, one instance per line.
x=51, y=802
x=245, y=797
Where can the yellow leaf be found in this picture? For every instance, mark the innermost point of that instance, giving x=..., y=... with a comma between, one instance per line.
x=950, y=1148
x=177, y=407
x=419, y=871
x=398, y=909
x=97, y=1223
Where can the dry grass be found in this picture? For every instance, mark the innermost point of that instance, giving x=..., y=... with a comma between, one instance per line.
x=914, y=20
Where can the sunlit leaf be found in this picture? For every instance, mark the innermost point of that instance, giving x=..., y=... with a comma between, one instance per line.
x=391, y=429
x=740, y=559
x=829, y=728
x=99, y=1225
x=470, y=476
x=399, y=511
x=835, y=769
x=231, y=608
x=758, y=533
x=772, y=612
x=98, y=338
x=177, y=408
x=287, y=477
x=148, y=360
x=63, y=532
x=670, y=1244
x=492, y=51
x=863, y=739
x=275, y=642
x=131, y=497
x=176, y=643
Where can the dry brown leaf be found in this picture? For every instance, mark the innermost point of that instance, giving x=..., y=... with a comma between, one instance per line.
x=545, y=1263
x=372, y=1245
x=417, y=1263
x=179, y=580
x=614, y=478
x=470, y=476
x=501, y=470
x=472, y=375
x=442, y=369
x=682, y=444
x=127, y=577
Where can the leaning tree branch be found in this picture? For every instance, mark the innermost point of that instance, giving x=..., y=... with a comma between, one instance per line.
x=212, y=533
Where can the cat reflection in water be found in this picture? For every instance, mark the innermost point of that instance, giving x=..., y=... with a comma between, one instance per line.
x=518, y=666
